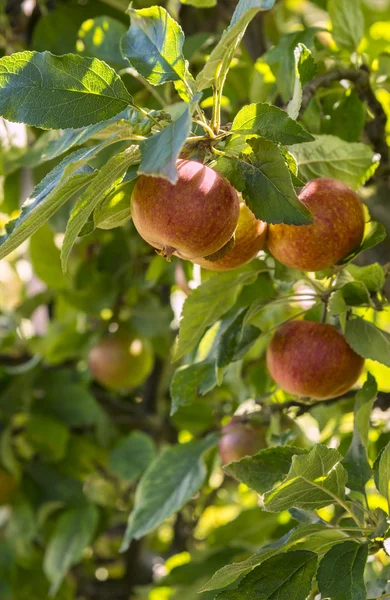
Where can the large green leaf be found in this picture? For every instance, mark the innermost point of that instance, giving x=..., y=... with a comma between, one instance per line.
x=347, y=23
x=271, y=123
x=191, y=381
x=154, y=44
x=356, y=460
x=368, y=340
x=209, y=302
x=236, y=340
x=305, y=69
x=314, y=537
x=132, y=455
x=262, y=176
x=340, y=574
x=330, y=156
x=159, y=153
x=110, y=174
x=261, y=471
x=384, y=474
x=170, y=481
x=288, y=575
x=217, y=64
x=315, y=480
x=73, y=532
x=100, y=37
x=57, y=92
x=41, y=246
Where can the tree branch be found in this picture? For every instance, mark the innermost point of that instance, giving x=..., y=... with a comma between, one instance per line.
x=376, y=128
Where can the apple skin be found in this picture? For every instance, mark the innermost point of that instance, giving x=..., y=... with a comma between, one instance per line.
x=250, y=238
x=120, y=362
x=240, y=439
x=312, y=360
x=193, y=218
x=337, y=228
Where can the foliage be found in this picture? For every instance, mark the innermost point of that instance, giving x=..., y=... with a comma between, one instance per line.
x=118, y=495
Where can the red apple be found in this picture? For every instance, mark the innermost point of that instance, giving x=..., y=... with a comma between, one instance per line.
x=239, y=439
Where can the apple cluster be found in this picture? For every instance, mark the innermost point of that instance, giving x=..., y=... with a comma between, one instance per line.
x=201, y=219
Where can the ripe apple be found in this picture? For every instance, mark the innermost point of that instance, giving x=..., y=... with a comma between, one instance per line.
x=312, y=360
x=337, y=228
x=195, y=217
x=239, y=439
x=120, y=361
x=250, y=237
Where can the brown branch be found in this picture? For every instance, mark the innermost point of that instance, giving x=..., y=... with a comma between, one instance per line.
x=376, y=128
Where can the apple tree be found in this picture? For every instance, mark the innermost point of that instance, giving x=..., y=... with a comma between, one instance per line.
x=194, y=300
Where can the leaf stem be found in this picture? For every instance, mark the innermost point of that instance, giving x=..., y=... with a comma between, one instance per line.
x=206, y=127
x=148, y=115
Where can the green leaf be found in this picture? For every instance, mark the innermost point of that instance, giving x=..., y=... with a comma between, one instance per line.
x=209, y=302
x=169, y=483
x=271, y=123
x=340, y=574
x=372, y=276
x=73, y=532
x=368, y=340
x=262, y=176
x=384, y=474
x=266, y=468
x=305, y=70
x=132, y=455
x=160, y=152
x=114, y=211
x=245, y=11
x=42, y=246
x=191, y=381
x=59, y=92
x=347, y=23
x=288, y=575
x=154, y=45
x=100, y=37
x=315, y=480
x=200, y=3
x=376, y=235
x=69, y=402
x=48, y=436
x=329, y=156
x=112, y=172
x=356, y=460
x=314, y=537
x=236, y=340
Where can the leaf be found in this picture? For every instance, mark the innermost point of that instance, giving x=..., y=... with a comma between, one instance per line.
x=73, y=532
x=315, y=480
x=191, y=381
x=49, y=271
x=329, y=156
x=384, y=474
x=112, y=172
x=261, y=471
x=154, y=45
x=48, y=436
x=245, y=11
x=271, y=123
x=288, y=575
x=340, y=574
x=209, y=302
x=59, y=92
x=114, y=211
x=200, y=3
x=132, y=455
x=315, y=537
x=356, y=460
x=100, y=37
x=169, y=483
x=305, y=70
x=372, y=276
x=368, y=340
x=261, y=175
x=160, y=152
x=376, y=235
x=347, y=23
x=236, y=340
x=69, y=402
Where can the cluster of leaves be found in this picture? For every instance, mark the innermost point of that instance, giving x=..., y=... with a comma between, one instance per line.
x=76, y=459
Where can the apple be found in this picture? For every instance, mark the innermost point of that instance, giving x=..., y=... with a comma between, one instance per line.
x=337, y=228
x=312, y=360
x=239, y=439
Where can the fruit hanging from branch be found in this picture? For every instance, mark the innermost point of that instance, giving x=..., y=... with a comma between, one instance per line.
x=249, y=238
x=312, y=360
x=195, y=217
x=337, y=228
x=121, y=361
x=239, y=439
